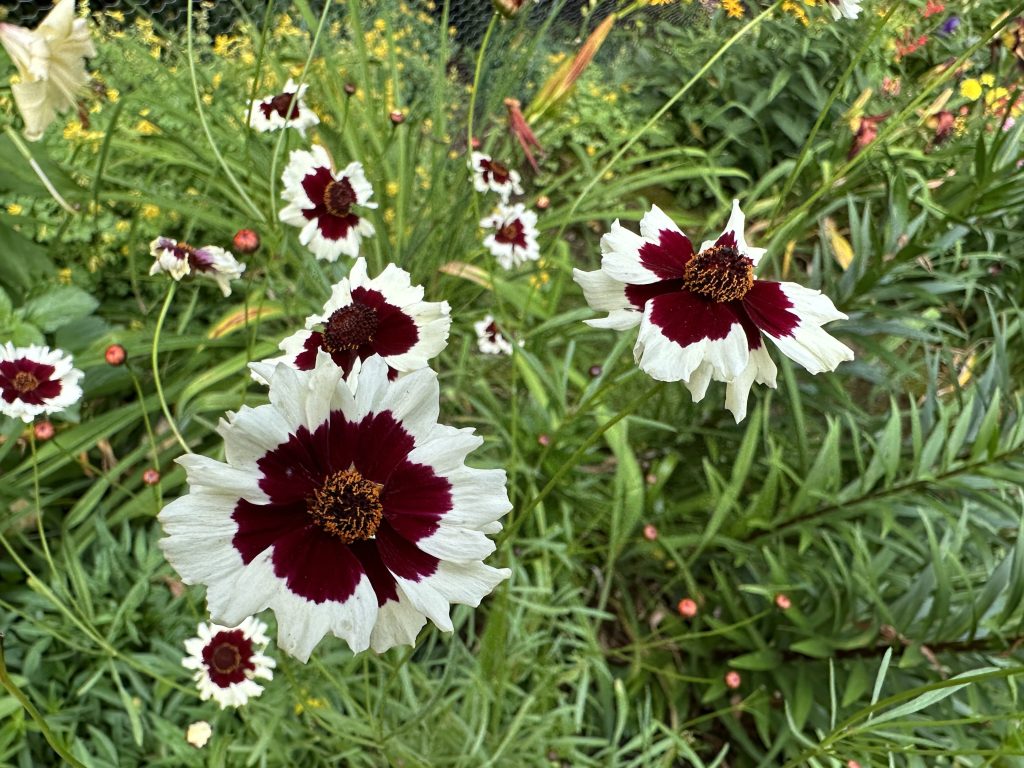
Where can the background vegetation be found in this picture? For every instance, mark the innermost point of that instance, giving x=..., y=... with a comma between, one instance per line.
x=883, y=501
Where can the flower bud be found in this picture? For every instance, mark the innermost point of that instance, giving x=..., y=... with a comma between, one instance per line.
x=687, y=608
x=733, y=679
x=43, y=430
x=509, y=8
x=151, y=477
x=397, y=118
x=115, y=355
x=246, y=241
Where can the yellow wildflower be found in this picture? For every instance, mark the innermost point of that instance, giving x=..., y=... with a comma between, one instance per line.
x=64, y=276
x=733, y=8
x=15, y=209
x=970, y=89
x=392, y=188
x=150, y=211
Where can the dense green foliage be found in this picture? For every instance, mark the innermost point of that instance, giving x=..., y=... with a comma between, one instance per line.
x=883, y=500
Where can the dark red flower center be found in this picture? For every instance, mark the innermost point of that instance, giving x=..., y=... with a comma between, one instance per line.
x=492, y=332
x=196, y=258
x=347, y=505
x=228, y=656
x=280, y=104
x=720, y=273
x=512, y=232
x=350, y=327
x=496, y=170
x=25, y=382
x=339, y=197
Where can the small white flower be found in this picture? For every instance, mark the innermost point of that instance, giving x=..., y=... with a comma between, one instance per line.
x=227, y=661
x=51, y=65
x=385, y=316
x=489, y=339
x=287, y=108
x=515, y=239
x=844, y=9
x=490, y=175
x=350, y=514
x=179, y=260
x=198, y=734
x=325, y=203
x=36, y=380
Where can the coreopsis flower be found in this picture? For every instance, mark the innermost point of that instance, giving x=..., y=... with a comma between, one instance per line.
x=326, y=203
x=514, y=241
x=702, y=314
x=179, y=260
x=51, y=65
x=489, y=339
x=350, y=514
x=384, y=316
x=227, y=661
x=844, y=9
x=285, y=109
x=490, y=175
x=36, y=380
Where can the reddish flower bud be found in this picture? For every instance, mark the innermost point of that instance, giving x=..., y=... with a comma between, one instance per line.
x=783, y=602
x=246, y=241
x=733, y=679
x=475, y=143
x=350, y=89
x=544, y=440
x=650, y=532
x=397, y=118
x=543, y=202
x=115, y=355
x=509, y=8
x=595, y=370
x=687, y=608
x=43, y=430
x=151, y=477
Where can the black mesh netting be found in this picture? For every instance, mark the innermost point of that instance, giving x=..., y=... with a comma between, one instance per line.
x=469, y=15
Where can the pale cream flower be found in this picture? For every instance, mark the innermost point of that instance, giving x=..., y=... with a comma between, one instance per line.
x=198, y=734
x=51, y=65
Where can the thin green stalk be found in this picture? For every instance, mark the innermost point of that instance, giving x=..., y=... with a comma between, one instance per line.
x=752, y=24
x=35, y=497
x=473, y=96
x=156, y=368
x=23, y=151
x=189, y=47
x=16, y=692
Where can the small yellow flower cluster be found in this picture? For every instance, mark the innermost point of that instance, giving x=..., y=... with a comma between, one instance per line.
x=733, y=8
x=972, y=88
x=796, y=10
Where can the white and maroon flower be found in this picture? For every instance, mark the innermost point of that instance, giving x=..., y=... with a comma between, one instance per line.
x=285, y=109
x=36, y=380
x=490, y=175
x=346, y=513
x=384, y=316
x=326, y=203
x=702, y=315
x=844, y=9
x=227, y=661
x=515, y=240
x=489, y=339
x=179, y=260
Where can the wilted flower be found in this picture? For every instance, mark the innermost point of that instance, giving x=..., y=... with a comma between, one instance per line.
x=36, y=380
x=179, y=260
x=198, y=734
x=384, y=316
x=227, y=661
x=285, y=109
x=702, y=314
x=324, y=203
x=515, y=241
x=346, y=513
x=489, y=339
x=844, y=9
x=490, y=175
x=865, y=132
x=51, y=65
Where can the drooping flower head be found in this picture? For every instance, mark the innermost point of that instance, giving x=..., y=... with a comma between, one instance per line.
x=702, y=314
x=228, y=660
x=36, y=380
x=844, y=9
x=490, y=175
x=285, y=109
x=326, y=203
x=514, y=241
x=179, y=260
x=349, y=513
x=51, y=65
x=489, y=339
x=384, y=316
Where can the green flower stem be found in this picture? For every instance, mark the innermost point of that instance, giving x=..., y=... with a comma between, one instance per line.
x=16, y=692
x=750, y=25
x=24, y=152
x=156, y=368
x=189, y=46
x=571, y=461
x=35, y=497
x=472, y=99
